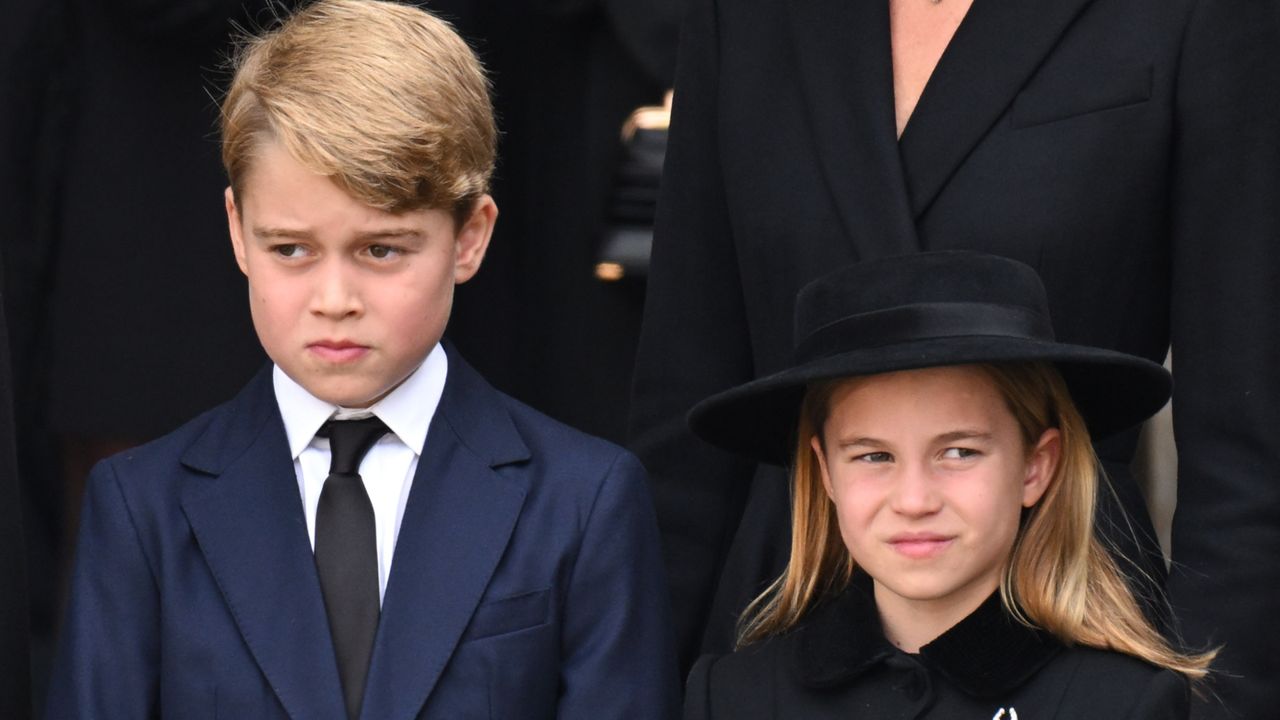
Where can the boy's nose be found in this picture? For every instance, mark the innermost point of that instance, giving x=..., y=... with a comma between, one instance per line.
x=337, y=292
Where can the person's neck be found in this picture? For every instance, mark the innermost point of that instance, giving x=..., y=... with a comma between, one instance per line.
x=911, y=624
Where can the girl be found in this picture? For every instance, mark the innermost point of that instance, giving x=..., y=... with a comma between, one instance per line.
x=944, y=562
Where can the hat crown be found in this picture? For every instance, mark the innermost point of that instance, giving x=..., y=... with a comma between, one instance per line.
x=917, y=297
x=919, y=311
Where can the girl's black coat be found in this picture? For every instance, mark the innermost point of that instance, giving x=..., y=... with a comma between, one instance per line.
x=839, y=665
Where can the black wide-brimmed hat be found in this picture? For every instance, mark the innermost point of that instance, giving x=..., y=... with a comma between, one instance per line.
x=918, y=311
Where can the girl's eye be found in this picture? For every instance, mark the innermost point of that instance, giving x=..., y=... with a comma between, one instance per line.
x=959, y=453
x=875, y=457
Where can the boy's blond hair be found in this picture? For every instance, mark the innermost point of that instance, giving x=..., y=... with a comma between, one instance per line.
x=385, y=99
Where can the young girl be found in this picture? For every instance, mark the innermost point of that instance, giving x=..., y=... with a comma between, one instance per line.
x=944, y=562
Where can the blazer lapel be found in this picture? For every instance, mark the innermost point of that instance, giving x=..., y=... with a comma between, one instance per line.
x=993, y=54
x=249, y=523
x=460, y=514
x=846, y=74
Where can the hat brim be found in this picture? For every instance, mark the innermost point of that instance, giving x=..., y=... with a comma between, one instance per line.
x=1113, y=391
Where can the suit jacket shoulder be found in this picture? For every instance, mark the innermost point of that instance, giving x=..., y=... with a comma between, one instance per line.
x=545, y=457
x=572, y=447
x=153, y=479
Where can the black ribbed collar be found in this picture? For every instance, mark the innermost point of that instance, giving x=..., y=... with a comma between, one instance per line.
x=984, y=655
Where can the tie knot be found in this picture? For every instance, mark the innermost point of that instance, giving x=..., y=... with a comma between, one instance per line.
x=349, y=440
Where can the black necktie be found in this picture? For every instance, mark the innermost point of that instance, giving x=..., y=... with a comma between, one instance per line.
x=347, y=553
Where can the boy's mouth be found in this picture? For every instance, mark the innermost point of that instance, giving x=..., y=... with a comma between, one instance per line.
x=338, y=351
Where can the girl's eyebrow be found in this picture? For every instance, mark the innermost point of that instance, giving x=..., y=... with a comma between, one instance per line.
x=956, y=435
x=862, y=441
x=947, y=437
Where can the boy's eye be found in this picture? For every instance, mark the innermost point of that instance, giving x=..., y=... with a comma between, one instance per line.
x=287, y=250
x=875, y=457
x=382, y=252
x=959, y=453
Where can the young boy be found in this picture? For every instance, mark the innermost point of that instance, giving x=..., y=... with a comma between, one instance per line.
x=368, y=529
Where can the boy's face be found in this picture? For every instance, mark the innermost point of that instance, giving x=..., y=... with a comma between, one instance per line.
x=347, y=299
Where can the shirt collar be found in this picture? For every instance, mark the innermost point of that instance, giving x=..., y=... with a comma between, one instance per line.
x=986, y=654
x=407, y=410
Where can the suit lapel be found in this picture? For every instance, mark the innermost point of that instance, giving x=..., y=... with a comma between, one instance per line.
x=249, y=523
x=846, y=73
x=459, y=517
x=994, y=52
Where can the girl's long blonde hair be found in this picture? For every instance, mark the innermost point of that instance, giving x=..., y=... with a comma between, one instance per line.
x=1060, y=577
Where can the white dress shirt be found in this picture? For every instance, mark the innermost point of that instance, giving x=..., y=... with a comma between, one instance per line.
x=387, y=469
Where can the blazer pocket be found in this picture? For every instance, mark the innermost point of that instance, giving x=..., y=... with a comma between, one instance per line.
x=1080, y=92
x=508, y=615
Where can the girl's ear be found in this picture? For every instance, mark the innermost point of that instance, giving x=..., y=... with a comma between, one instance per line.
x=1041, y=465
x=816, y=443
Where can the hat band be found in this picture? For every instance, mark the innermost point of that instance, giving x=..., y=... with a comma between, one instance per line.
x=922, y=321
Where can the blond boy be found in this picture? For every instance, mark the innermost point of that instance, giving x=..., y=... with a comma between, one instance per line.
x=369, y=529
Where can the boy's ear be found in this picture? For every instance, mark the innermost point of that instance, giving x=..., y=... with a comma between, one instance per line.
x=473, y=238
x=236, y=229
x=1041, y=466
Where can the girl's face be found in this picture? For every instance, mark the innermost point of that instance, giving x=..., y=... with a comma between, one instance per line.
x=929, y=473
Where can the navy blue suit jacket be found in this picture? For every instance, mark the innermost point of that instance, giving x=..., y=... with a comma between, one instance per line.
x=526, y=583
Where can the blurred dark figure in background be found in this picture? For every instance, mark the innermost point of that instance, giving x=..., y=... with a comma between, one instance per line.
x=141, y=244
x=15, y=672
x=114, y=167
x=26, y=70
x=566, y=75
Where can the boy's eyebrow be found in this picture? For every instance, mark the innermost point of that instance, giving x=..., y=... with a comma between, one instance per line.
x=295, y=234
x=274, y=232
x=388, y=233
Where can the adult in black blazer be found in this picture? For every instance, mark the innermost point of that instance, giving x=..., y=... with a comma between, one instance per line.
x=566, y=74
x=1138, y=141
x=839, y=665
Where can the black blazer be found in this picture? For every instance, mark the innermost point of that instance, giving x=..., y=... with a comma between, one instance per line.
x=1127, y=149
x=839, y=665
